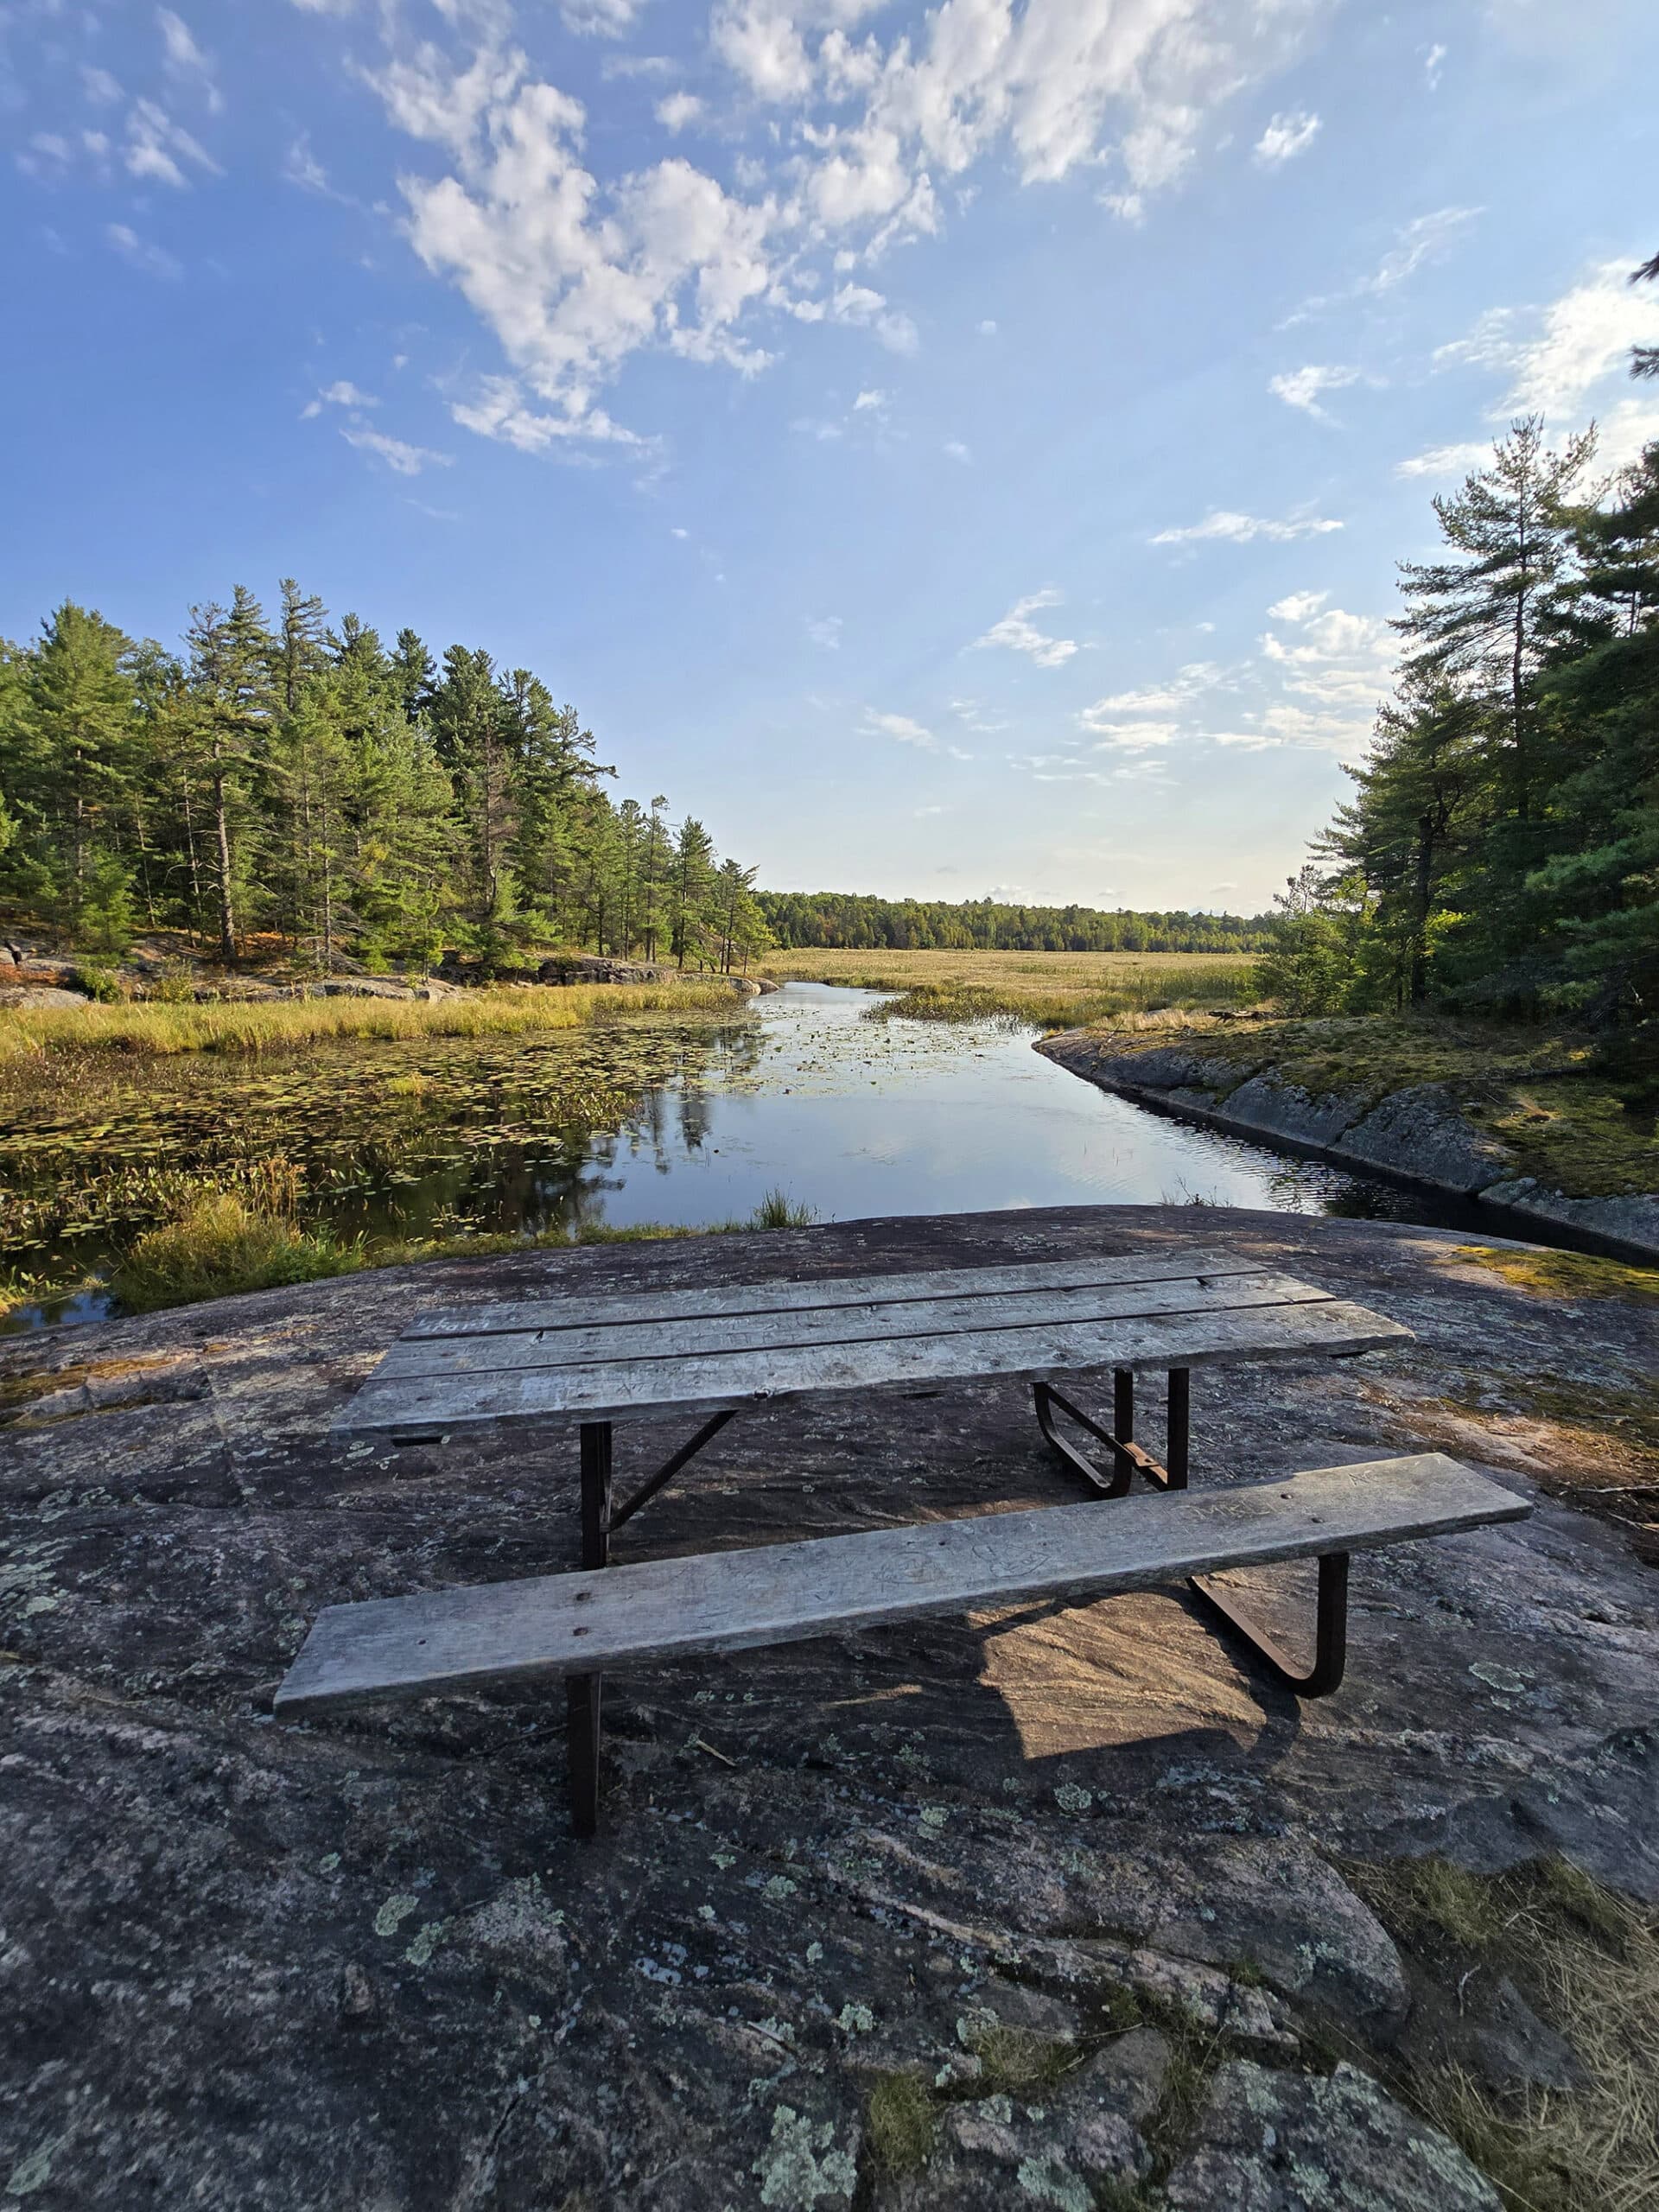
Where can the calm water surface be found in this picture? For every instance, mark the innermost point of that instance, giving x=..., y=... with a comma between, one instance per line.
x=807, y=1095
x=856, y=1117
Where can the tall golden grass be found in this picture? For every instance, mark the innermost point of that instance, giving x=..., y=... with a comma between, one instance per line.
x=277, y=1024
x=1049, y=990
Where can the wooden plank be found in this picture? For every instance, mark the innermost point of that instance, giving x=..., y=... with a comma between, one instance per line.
x=653, y=1389
x=608, y=1344
x=670, y=1304
x=662, y=1610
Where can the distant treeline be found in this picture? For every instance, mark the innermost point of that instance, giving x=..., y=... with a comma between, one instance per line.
x=852, y=921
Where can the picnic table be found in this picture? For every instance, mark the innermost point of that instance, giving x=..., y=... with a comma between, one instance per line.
x=708, y=1353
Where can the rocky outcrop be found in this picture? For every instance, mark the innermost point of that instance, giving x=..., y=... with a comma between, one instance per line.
x=1416, y=1133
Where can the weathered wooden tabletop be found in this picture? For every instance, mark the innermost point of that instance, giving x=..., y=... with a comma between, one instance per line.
x=606, y=1359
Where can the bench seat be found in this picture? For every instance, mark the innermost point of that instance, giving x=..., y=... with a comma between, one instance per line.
x=657, y=1611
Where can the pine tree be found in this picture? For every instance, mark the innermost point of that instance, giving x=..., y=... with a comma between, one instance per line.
x=1481, y=619
x=80, y=702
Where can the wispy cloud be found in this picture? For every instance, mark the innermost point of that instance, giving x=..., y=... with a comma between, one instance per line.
x=1297, y=606
x=138, y=253
x=1446, y=460
x=1304, y=388
x=184, y=61
x=403, y=459
x=1235, y=529
x=342, y=393
x=1187, y=684
x=1019, y=634
x=157, y=149
x=1285, y=137
x=826, y=632
x=904, y=731
x=1425, y=238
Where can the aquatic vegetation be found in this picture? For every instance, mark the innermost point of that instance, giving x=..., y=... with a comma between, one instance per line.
x=222, y=1245
x=274, y=1024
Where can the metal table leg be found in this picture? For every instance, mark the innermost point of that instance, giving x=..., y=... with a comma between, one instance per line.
x=584, y=1692
x=1331, y=1610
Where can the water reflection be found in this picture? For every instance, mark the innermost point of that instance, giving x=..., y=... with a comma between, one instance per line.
x=687, y=1124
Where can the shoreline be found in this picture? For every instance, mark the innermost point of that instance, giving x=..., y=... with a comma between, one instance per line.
x=1395, y=1138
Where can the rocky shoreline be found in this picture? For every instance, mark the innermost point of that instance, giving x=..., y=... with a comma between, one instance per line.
x=1414, y=1134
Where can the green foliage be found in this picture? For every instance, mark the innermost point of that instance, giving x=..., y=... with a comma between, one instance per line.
x=1501, y=851
x=293, y=782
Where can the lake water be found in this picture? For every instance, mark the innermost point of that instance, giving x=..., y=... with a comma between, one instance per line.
x=689, y=1123
x=855, y=1117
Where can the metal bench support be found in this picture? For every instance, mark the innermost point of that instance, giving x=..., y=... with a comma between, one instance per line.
x=1128, y=1459
x=601, y=1517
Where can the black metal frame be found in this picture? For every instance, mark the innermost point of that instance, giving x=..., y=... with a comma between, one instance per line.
x=600, y=1518
x=1128, y=1459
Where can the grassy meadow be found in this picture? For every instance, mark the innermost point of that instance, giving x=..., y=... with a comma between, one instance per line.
x=1049, y=990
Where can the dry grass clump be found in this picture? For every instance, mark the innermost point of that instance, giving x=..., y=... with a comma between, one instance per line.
x=900, y=2121
x=273, y=1025
x=1588, y=1962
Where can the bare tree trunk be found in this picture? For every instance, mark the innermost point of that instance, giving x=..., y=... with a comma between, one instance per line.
x=222, y=830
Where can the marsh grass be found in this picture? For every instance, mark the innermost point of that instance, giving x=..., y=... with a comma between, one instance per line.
x=222, y=1243
x=1043, y=990
x=277, y=1024
x=1588, y=1962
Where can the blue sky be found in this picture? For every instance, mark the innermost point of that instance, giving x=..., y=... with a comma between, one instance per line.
x=955, y=450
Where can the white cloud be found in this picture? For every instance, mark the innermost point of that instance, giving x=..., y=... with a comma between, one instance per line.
x=988, y=328
x=676, y=532
x=1587, y=335
x=1303, y=387
x=867, y=399
x=499, y=412
x=184, y=61
x=1434, y=60
x=302, y=167
x=1236, y=529
x=1446, y=460
x=404, y=460
x=973, y=716
x=1285, y=136
x=826, y=632
x=956, y=450
x=907, y=731
x=1297, y=606
x=1556, y=360
x=342, y=393
x=1342, y=666
x=1019, y=634
x=600, y=18
x=1130, y=737
x=101, y=87
x=156, y=146
x=574, y=270
x=140, y=254
x=1425, y=238
x=678, y=110
x=1188, y=684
